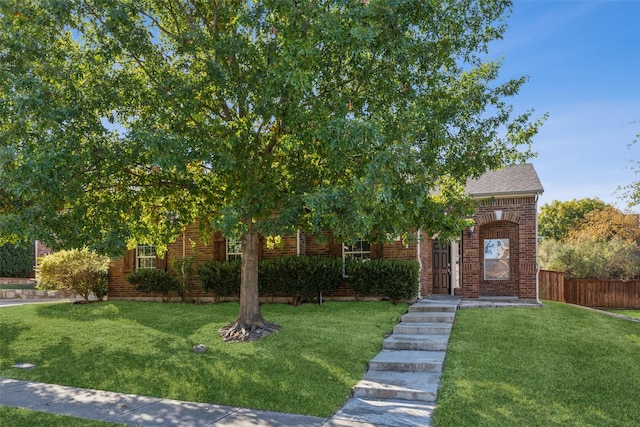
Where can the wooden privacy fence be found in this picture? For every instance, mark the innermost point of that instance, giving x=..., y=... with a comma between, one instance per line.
x=589, y=293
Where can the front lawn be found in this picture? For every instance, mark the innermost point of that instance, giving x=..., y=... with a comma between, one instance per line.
x=307, y=368
x=558, y=365
x=15, y=417
x=629, y=313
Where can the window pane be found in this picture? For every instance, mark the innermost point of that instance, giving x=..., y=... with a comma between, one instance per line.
x=234, y=249
x=146, y=256
x=360, y=250
x=496, y=259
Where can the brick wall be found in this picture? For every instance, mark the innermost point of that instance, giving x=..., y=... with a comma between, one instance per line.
x=190, y=243
x=518, y=224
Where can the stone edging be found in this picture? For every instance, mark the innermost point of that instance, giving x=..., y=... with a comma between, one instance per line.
x=34, y=294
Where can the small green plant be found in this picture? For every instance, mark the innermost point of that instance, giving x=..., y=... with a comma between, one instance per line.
x=184, y=269
x=77, y=270
x=221, y=278
x=154, y=281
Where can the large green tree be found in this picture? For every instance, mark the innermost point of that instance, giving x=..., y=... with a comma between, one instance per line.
x=122, y=121
x=557, y=219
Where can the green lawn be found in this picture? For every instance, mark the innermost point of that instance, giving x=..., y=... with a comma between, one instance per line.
x=15, y=417
x=308, y=367
x=629, y=313
x=558, y=365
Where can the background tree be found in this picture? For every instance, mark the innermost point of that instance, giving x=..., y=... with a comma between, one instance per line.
x=587, y=257
x=601, y=245
x=608, y=223
x=557, y=219
x=631, y=192
x=124, y=121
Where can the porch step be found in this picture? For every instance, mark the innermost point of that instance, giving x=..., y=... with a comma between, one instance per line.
x=416, y=342
x=408, y=361
x=399, y=386
x=428, y=316
x=424, y=306
x=415, y=328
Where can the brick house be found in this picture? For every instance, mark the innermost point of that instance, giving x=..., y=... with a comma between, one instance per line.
x=505, y=226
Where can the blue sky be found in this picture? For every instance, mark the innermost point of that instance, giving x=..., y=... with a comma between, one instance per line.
x=583, y=61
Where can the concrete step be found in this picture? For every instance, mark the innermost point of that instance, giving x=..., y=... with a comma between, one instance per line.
x=408, y=361
x=434, y=305
x=416, y=342
x=431, y=328
x=360, y=412
x=412, y=386
x=428, y=316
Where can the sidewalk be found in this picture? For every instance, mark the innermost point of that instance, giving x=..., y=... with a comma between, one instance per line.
x=137, y=410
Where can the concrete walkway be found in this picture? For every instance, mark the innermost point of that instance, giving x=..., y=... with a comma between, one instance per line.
x=399, y=389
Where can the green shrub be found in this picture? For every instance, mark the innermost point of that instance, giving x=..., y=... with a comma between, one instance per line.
x=16, y=260
x=392, y=278
x=299, y=277
x=221, y=278
x=152, y=280
x=80, y=271
x=590, y=258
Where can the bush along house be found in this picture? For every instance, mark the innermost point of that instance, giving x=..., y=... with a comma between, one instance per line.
x=496, y=257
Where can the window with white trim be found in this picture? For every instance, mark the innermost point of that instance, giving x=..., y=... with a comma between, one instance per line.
x=234, y=249
x=145, y=256
x=496, y=259
x=359, y=250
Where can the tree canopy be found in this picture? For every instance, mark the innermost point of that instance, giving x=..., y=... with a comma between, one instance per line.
x=124, y=121
x=588, y=239
x=557, y=219
x=608, y=223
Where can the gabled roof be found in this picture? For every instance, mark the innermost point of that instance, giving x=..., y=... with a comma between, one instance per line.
x=510, y=181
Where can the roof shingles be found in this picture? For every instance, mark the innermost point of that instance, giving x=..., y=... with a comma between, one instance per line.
x=513, y=180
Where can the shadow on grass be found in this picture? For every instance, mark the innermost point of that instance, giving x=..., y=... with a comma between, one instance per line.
x=145, y=348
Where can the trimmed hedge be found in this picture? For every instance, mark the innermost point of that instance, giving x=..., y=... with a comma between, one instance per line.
x=392, y=278
x=16, y=260
x=151, y=280
x=221, y=278
x=299, y=278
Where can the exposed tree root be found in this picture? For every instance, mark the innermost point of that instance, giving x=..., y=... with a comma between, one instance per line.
x=244, y=332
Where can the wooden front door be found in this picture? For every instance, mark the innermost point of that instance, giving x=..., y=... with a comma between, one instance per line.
x=441, y=268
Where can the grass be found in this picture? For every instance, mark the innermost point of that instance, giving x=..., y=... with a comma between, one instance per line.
x=629, y=313
x=558, y=365
x=15, y=417
x=308, y=367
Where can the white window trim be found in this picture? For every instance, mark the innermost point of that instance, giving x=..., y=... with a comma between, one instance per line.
x=504, y=258
x=234, y=244
x=140, y=257
x=346, y=252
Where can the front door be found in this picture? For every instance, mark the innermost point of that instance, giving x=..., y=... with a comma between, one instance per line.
x=441, y=267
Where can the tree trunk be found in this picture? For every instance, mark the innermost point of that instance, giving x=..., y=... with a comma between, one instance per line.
x=249, y=325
